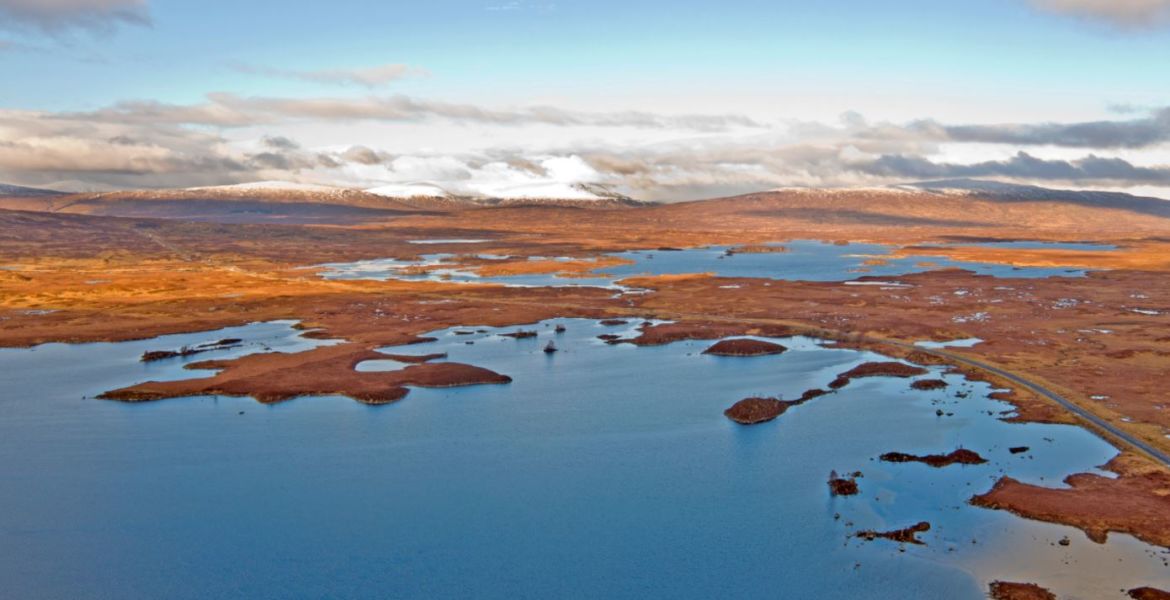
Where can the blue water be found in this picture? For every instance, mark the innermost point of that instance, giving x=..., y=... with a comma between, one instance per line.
x=804, y=260
x=601, y=471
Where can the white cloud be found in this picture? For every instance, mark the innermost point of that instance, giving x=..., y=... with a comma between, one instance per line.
x=556, y=177
x=223, y=109
x=552, y=152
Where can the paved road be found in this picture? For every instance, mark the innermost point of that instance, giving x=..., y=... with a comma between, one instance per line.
x=1047, y=393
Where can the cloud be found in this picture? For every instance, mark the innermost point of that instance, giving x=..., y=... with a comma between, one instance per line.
x=279, y=142
x=1128, y=14
x=230, y=110
x=1091, y=170
x=1136, y=133
x=540, y=176
x=1147, y=131
x=149, y=144
x=42, y=147
x=363, y=155
x=55, y=16
x=367, y=77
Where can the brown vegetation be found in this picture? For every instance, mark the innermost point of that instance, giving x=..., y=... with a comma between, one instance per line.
x=908, y=535
x=745, y=347
x=1004, y=590
x=1148, y=593
x=751, y=411
x=843, y=486
x=928, y=384
x=668, y=333
x=960, y=457
x=1101, y=341
x=569, y=269
x=876, y=369
x=1137, y=502
x=809, y=395
x=276, y=377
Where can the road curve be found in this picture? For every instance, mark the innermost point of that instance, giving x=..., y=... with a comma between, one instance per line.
x=1068, y=405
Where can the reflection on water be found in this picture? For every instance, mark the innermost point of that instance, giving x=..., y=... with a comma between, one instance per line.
x=380, y=366
x=802, y=260
x=601, y=471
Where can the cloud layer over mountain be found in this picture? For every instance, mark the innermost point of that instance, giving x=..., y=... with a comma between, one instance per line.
x=230, y=139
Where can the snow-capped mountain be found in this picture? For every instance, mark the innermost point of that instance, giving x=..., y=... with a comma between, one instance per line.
x=545, y=194
x=411, y=190
x=269, y=186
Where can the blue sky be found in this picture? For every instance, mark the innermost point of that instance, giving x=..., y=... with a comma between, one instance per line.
x=794, y=68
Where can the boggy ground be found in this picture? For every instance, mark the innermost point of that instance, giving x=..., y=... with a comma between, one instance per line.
x=323, y=371
x=1101, y=341
x=1136, y=502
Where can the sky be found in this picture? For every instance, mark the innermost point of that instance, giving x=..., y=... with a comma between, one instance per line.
x=658, y=100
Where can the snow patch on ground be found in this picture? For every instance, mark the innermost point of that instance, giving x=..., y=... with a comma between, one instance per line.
x=409, y=190
x=288, y=186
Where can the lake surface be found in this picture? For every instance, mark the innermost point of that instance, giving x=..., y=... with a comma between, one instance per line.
x=601, y=471
x=804, y=260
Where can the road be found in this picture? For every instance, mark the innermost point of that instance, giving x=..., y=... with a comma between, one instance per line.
x=1068, y=405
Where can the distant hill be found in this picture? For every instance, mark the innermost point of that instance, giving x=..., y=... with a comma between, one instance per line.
x=287, y=202
x=1010, y=192
x=939, y=209
x=28, y=192
x=599, y=204
x=578, y=195
x=953, y=207
x=263, y=202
